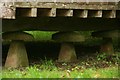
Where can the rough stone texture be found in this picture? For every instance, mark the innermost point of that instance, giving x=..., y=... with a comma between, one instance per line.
x=17, y=36
x=108, y=36
x=107, y=46
x=68, y=37
x=17, y=55
x=67, y=53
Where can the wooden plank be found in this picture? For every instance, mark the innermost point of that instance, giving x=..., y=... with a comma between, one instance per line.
x=109, y=14
x=95, y=13
x=64, y=12
x=23, y=12
x=84, y=14
x=53, y=12
x=118, y=13
x=60, y=24
x=26, y=9
x=44, y=12
x=34, y=12
x=67, y=5
x=80, y=13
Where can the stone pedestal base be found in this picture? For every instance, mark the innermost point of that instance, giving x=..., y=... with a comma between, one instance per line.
x=107, y=46
x=67, y=53
x=17, y=55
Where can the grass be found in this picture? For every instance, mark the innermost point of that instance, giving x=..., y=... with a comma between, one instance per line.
x=34, y=72
x=49, y=70
x=47, y=36
x=41, y=35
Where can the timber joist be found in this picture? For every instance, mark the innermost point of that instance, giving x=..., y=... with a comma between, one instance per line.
x=80, y=10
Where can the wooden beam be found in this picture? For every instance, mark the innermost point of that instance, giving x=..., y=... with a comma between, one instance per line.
x=23, y=12
x=80, y=13
x=95, y=13
x=109, y=14
x=42, y=12
x=64, y=12
x=59, y=24
x=118, y=13
x=34, y=12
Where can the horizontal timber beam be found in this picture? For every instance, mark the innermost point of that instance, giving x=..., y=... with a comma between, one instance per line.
x=60, y=24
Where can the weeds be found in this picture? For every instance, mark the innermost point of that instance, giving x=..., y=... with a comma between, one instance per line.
x=47, y=69
x=47, y=64
x=101, y=56
x=33, y=72
x=41, y=35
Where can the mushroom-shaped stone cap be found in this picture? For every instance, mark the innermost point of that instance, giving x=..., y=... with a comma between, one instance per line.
x=68, y=37
x=17, y=36
x=106, y=34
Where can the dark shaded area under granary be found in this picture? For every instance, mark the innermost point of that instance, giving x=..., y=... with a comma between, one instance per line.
x=50, y=50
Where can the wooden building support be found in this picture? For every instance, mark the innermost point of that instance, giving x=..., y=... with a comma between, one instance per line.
x=95, y=13
x=80, y=13
x=64, y=12
x=109, y=14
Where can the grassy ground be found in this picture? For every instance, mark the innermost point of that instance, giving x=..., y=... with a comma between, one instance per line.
x=49, y=70
x=94, y=66
x=41, y=35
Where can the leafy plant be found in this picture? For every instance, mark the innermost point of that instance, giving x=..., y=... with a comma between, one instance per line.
x=101, y=56
x=47, y=64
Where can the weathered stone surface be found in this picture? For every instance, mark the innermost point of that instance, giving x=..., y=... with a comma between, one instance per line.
x=108, y=36
x=17, y=55
x=17, y=36
x=107, y=46
x=68, y=37
x=67, y=53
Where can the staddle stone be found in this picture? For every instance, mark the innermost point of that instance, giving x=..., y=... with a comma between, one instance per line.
x=108, y=36
x=67, y=51
x=17, y=54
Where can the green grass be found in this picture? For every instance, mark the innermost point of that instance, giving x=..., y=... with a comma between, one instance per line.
x=48, y=70
x=41, y=35
x=47, y=36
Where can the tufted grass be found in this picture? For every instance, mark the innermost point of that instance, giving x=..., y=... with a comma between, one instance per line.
x=41, y=35
x=34, y=72
x=48, y=70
